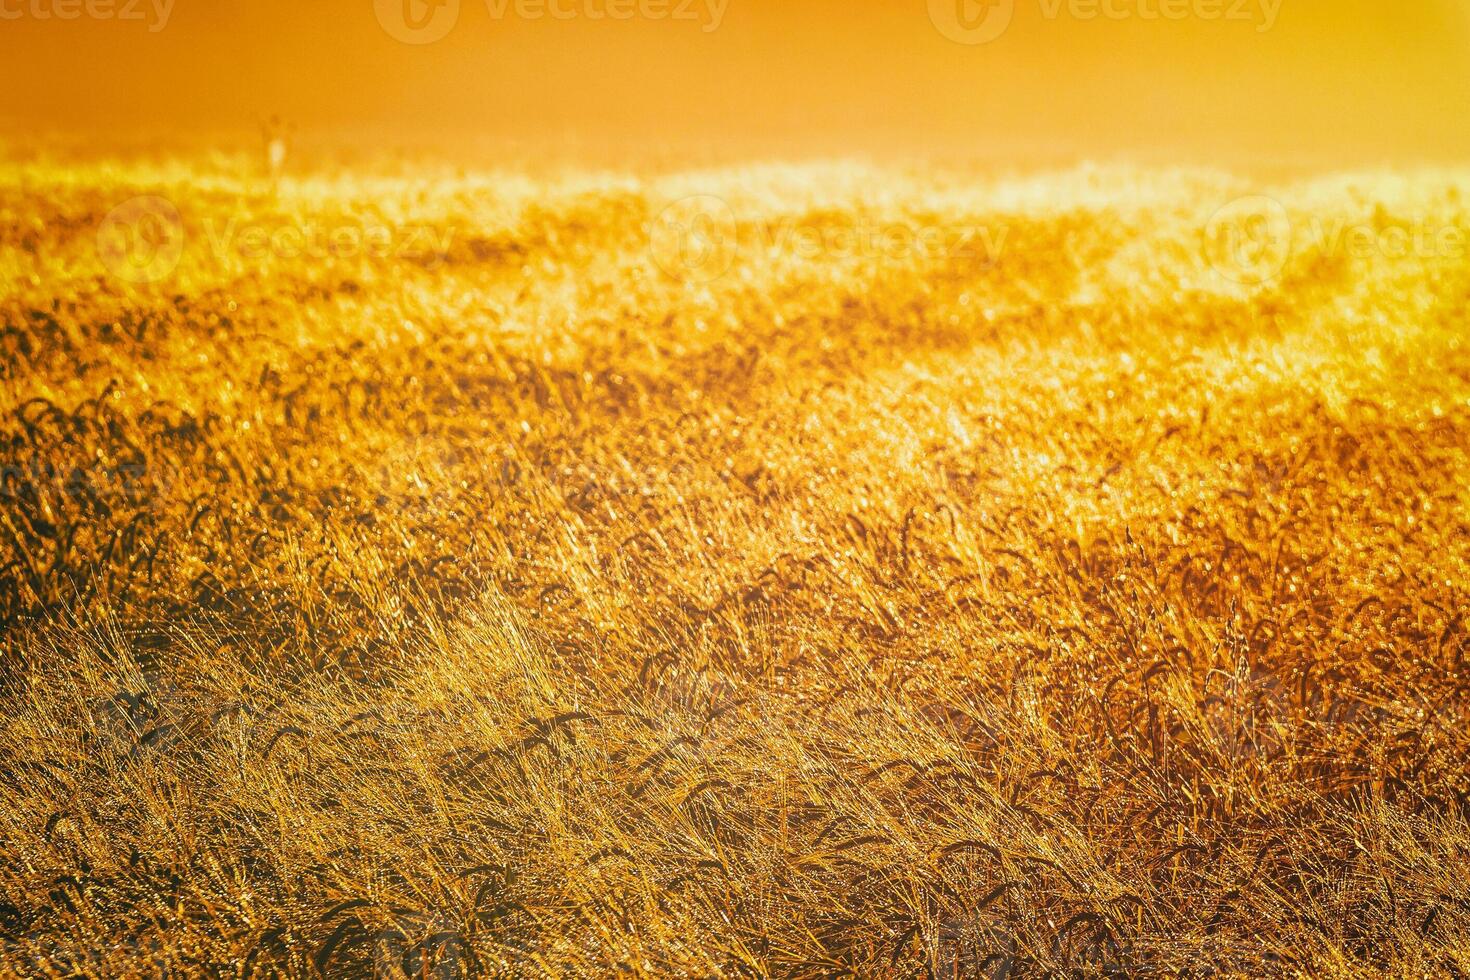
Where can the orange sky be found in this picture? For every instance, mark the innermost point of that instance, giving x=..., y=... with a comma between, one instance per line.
x=1349, y=80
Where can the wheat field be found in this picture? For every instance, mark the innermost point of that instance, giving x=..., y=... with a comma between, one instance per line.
x=826, y=569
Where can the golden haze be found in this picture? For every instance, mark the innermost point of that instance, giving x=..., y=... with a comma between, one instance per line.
x=578, y=550
x=1344, y=80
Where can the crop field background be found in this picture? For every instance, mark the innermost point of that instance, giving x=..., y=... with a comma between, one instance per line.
x=776, y=570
